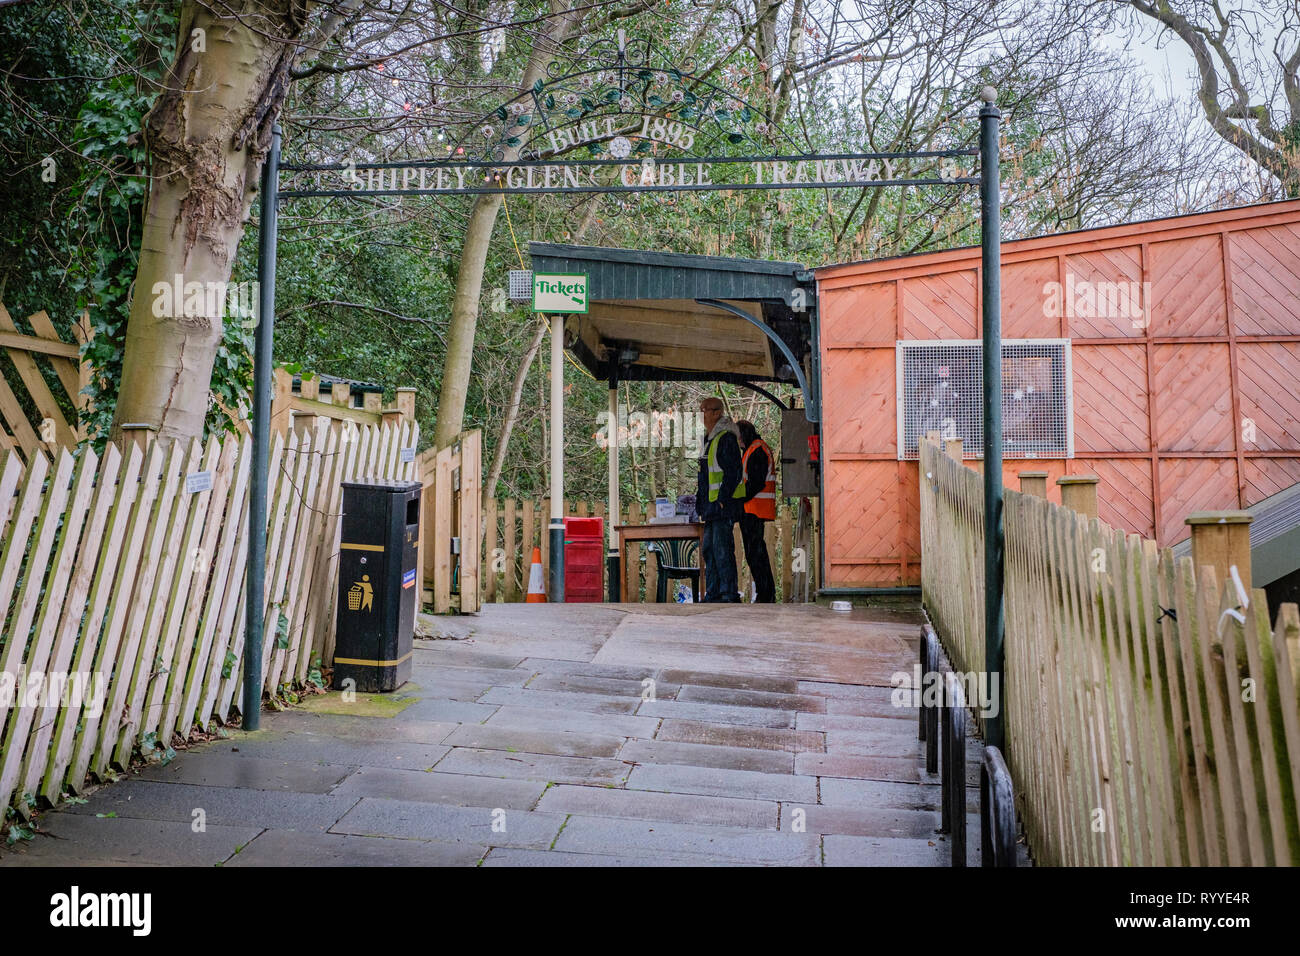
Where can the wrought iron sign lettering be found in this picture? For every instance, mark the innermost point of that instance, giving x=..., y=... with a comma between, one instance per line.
x=633, y=125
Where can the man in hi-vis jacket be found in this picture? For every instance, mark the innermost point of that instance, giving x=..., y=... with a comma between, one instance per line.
x=720, y=501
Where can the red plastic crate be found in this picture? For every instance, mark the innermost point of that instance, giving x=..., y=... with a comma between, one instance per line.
x=575, y=528
x=584, y=560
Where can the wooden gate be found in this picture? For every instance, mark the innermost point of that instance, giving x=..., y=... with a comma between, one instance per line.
x=450, y=515
x=40, y=423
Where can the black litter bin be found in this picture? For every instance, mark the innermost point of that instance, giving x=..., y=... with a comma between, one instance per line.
x=378, y=549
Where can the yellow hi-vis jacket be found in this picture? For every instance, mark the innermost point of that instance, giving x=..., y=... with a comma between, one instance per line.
x=715, y=472
x=763, y=504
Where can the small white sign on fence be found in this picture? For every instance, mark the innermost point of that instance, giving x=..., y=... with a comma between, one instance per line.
x=197, y=481
x=408, y=454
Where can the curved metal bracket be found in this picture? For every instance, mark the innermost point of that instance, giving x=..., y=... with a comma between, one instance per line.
x=997, y=811
x=766, y=394
x=811, y=411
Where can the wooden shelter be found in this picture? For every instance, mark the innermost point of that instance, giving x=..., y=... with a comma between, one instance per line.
x=670, y=317
x=1181, y=384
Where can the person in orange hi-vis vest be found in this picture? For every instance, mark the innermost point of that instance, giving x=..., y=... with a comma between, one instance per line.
x=759, y=466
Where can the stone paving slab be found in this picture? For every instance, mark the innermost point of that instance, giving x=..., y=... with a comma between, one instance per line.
x=583, y=703
x=901, y=742
x=718, y=713
x=544, y=665
x=459, y=654
x=753, y=698
x=635, y=837
x=128, y=841
x=877, y=794
x=774, y=685
x=533, y=718
x=222, y=806
x=434, y=682
x=341, y=751
x=410, y=820
x=506, y=856
x=723, y=783
x=450, y=711
x=287, y=848
x=471, y=673
x=395, y=729
x=819, y=723
x=707, y=755
x=731, y=735
x=884, y=851
x=207, y=769
x=69, y=859
x=906, y=824
x=669, y=807
x=774, y=640
x=531, y=637
x=898, y=769
x=827, y=689
x=506, y=628
x=454, y=789
x=547, y=768
x=868, y=707
x=514, y=739
x=603, y=686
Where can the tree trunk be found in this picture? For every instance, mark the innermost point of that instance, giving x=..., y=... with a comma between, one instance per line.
x=207, y=135
x=512, y=414
x=464, y=320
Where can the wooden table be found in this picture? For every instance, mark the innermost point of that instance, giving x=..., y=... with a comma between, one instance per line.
x=633, y=533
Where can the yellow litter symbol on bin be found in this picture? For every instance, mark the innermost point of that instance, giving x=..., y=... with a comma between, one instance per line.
x=361, y=596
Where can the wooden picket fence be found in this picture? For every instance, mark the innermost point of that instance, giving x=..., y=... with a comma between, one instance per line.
x=34, y=419
x=514, y=527
x=450, y=505
x=1151, y=715
x=130, y=568
x=307, y=407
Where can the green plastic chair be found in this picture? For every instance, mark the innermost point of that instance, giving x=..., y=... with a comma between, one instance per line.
x=676, y=558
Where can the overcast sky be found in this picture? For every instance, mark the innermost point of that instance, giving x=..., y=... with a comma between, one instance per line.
x=1166, y=58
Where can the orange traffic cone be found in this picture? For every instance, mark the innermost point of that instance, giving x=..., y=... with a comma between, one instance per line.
x=536, y=593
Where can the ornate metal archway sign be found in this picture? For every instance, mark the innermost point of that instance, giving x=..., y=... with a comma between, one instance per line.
x=638, y=124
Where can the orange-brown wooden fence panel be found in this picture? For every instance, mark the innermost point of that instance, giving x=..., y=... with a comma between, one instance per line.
x=1187, y=400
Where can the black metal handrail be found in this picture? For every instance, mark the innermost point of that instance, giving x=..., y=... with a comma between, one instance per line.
x=954, y=767
x=928, y=714
x=997, y=811
x=944, y=725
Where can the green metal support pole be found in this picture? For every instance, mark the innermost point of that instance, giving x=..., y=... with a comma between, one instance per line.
x=251, y=709
x=991, y=270
x=613, y=560
x=556, y=528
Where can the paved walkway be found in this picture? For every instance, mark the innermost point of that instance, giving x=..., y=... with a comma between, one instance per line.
x=529, y=736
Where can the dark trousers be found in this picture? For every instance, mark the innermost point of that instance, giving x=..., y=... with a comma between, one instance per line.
x=751, y=533
x=720, y=560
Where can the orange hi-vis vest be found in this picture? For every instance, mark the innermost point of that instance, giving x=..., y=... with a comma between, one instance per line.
x=763, y=504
